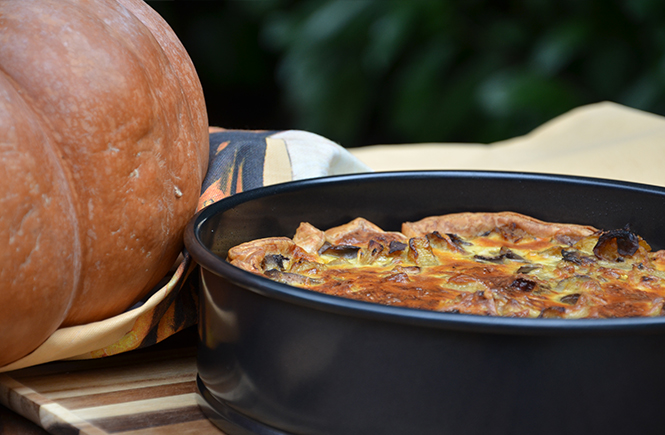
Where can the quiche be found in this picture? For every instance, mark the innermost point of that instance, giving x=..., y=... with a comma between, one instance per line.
x=495, y=264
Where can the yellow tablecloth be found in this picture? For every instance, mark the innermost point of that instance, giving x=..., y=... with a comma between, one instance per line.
x=603, y=140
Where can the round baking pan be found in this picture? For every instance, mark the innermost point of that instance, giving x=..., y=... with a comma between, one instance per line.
x=275, y=359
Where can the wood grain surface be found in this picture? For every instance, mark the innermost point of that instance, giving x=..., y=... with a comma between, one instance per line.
x=150, y=391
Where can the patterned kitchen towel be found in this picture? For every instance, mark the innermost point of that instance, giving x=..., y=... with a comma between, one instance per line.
x=239, y=160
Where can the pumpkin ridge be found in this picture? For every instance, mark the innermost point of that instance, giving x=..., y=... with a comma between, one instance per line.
x=33, y=186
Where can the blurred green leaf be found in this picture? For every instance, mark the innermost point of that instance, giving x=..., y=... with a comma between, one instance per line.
x=387, y=37
x=644, y=92
x=521, y=99
x=645, y=10
x=332, y=20
x=560, y=45
x=610, y=65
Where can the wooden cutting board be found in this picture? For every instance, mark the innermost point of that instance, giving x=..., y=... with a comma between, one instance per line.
x=149, y=391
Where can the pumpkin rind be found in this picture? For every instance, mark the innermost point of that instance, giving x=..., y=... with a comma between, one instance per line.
x=113, y=121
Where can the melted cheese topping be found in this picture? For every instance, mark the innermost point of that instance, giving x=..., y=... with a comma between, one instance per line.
x=497, y=272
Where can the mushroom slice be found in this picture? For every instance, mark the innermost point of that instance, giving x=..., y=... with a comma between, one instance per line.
x=577, y=284
x=553, y=313
x=274, y=261
x=570, y=299
x=504, y=253
x=576, y=257
x=445, y=242
x=615, y=245
x=528, y=268
x=371, y=253
x=457, y=240
x=290, y=278
x=348, y=252
x=523, y=284
x=254, y=256
x=421, y=252
x=396, y=246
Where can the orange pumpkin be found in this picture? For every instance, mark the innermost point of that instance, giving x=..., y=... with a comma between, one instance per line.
x=103, y=147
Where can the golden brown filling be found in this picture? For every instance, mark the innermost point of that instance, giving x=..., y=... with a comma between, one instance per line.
x=500, y=264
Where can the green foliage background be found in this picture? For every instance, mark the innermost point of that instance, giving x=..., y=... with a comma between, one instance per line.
x=362, y=72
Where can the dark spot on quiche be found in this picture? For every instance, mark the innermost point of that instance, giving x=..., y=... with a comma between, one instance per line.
x=504, y=254
x=458, y=240
x=570, y=299
x=371, y=253
x=614, y=245
x=343, y=251
x=575, y=257
x=274, y=261
x=396, y=246
x=290, y=278
x=552, y=313
x=523, y=284
x=421, y=252
x=374, y=247
x=528, y=268
x=446, y=242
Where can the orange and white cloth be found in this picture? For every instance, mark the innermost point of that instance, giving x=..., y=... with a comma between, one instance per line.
x=603, y=140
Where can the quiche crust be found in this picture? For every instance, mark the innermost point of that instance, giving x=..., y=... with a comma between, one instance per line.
x=475, y=224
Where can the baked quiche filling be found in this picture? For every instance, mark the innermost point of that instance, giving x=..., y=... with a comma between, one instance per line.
x=498, y=264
